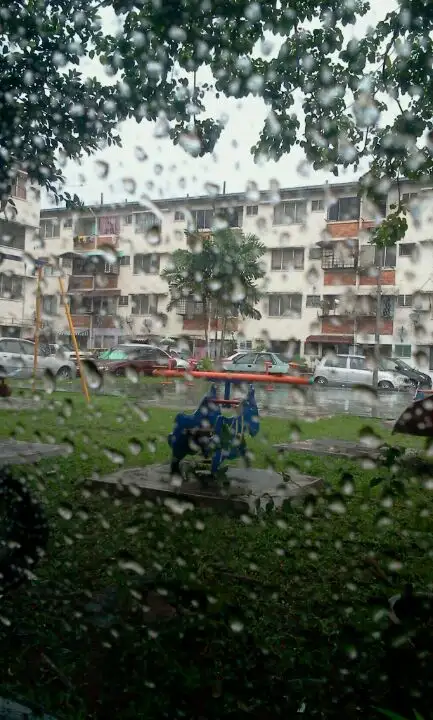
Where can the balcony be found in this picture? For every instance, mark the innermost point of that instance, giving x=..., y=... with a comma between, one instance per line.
x=387, y=277
x=348, y=228
x=80, y=283
x=89, y=320
x=107, y=240
x=84, y=243
x=365, y=325
x=199, y=323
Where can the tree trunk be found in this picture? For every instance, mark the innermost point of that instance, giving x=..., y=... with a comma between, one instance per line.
x=216, y=331
x=206, y=318
x=223, y=336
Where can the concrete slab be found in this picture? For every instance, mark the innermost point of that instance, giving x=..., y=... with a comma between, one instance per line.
x=331, y=447
x=247, y=489
x=15, y=452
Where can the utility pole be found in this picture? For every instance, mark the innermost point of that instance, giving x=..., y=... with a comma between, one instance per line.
x=377, y=332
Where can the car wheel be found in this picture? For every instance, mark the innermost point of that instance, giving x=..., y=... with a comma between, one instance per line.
x=320, y=380
x=64, y=373
x=385, y=385
x=119, y=372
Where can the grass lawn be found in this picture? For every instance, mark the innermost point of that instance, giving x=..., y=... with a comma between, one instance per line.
x=261, y=615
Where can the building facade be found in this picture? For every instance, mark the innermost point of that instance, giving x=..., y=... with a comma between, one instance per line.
x=324, y=281
x=19, y=242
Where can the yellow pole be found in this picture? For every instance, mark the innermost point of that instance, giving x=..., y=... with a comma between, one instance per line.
x=84, y=387
x=37, y=325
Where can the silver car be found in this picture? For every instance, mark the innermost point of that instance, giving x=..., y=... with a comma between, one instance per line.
x=355, y=370
x=16, y=360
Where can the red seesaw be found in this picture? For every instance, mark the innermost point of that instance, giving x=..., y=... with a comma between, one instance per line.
x=242, y=377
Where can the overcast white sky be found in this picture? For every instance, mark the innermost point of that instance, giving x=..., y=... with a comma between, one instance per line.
x=170, y=171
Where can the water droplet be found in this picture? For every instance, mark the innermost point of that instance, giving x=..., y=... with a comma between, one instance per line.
x=65, y=511
x=49, y=382
x=93, y=376
x=153, y=235
x=129, y=185
x=190, y=143
x=140, y=153
x=135, y=446
x=101, y=169
x=237, y=626
x=336, y=505
x=116, y=457
x=369, y=438
x=131, y=565
x=131, y=374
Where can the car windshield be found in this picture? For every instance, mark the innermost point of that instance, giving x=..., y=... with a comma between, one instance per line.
x=281, y=358
x=119, y=353
x=393, y=365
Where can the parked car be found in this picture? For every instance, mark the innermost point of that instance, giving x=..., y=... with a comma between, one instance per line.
x=233, y=357
x=416, y=377
x=254, y=362
x=142, y=358
x=183, y=359
x=16, y=358
x=354, y=370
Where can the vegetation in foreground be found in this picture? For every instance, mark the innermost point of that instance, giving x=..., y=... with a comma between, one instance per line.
x=141, y=611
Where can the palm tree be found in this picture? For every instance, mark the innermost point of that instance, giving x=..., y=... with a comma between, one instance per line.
x=221, y=273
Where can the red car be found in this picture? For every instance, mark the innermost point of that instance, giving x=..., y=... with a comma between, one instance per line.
x=143, y=359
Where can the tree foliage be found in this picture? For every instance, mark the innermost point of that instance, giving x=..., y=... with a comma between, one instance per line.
x=368, y=97
x=221, y=272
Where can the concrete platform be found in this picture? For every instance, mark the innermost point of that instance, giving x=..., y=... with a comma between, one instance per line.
x=15, y=452
x=335, y=448
x=247, y=490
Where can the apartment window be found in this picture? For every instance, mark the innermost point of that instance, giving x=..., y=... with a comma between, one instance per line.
x=403, y=351
x=86, y=227
x=317, y=205
x=313, y=301
x=406, y=249
x=66, y=263
x=125, y=260
x=11, y=286
x=123, y=300
x=127, y=219
x=315, y=253
x=203, y=219
x=387, y=306
x=103, y=306
x=67, y=223
x=407, y=198
x=178, y=216
x=287, y=258
x=111, y=268
x=330, y=304
x=109, y=225
x=404, y=301
x=337, y=256
x=146, y=263
x=50, y=228
x=19, y=187
x=252, y=210
x=347, y=208
x=233, y=216
x=385, y=257
x=16, y=240
x=285, y=305
x=145, y=220
x=143, y=304
x=49, y=304
x=292, y=211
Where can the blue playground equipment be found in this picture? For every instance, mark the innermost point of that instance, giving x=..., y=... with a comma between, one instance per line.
x=208, y=431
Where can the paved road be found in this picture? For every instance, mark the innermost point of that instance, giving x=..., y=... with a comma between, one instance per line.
x=286, y=401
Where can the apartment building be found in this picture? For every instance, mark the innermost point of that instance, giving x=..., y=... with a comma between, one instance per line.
x=322, y=283
x=19, y=241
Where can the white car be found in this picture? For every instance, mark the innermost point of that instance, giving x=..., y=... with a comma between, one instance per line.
x=355, y=370
x=16, y=360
